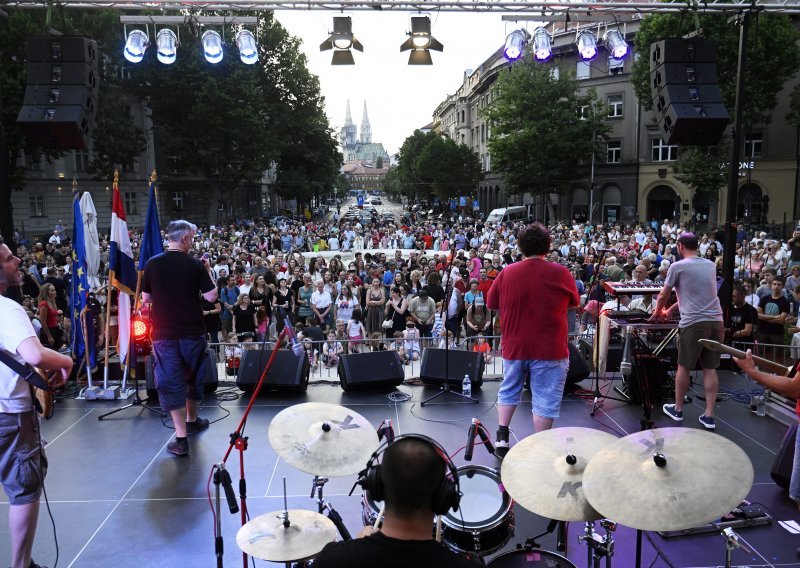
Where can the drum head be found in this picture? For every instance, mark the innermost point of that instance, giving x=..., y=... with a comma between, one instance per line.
x=530, y=559
x=483, y=502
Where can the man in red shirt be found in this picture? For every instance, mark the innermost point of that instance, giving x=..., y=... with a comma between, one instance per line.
x=533, y=297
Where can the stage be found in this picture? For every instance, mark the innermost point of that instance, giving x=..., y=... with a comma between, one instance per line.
x=119, y=499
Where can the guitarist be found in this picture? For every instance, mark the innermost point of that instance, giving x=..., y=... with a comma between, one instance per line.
x=19, y=424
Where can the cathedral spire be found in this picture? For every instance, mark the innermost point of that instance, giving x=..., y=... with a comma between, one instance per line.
x=348, y=120
x=366, y=130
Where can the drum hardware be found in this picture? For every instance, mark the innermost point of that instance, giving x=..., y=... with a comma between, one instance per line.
x=598, y=546
x=318, y=485
x=286, y=536
x=731, y=542
x=477, y=428
x=530, y=558
x=559, y=527
x=222, y=477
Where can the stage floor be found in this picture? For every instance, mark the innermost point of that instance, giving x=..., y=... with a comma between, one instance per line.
x=119, y=499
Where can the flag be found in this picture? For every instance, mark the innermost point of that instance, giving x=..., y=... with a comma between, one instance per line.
x=121, y=270
x=80, y=290
x=152, y=243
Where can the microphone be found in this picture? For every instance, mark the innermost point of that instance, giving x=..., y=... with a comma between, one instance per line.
x=297, y=347
x=485, y=438
x=625, y=367
x=471, y=440
x=386, y=431
x=225, y=479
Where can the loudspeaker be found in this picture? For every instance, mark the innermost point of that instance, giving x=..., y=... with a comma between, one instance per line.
x=613, y=356
x=459, y=363
x=781, y=470
x=579, y=368
x=288, y=372
x=210, y=376
x=63, y=82
x=376, y=369
x=649, y=377
x=684, y=90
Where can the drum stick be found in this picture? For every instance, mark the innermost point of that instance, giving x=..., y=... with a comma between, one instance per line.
x=438, y=528
x=379, y=518
x=765, y=364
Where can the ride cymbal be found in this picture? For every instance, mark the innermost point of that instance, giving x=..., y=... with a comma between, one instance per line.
x=266, y=538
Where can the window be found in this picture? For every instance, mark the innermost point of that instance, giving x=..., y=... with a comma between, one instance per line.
x=554, y=71
x=177, y=201
x=33, y=163
x=614, y=106
x=614, y=151
x=81, y=160
x=36, y=201
x=615, y=66
x=583, y=70
x=752, y=145
x=663, y=152
x=131, y=203
x=583, y=112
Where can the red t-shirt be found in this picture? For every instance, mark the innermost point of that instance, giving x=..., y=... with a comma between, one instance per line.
x=533, y=296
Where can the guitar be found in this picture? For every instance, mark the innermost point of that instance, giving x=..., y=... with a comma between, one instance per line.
x=39, y=382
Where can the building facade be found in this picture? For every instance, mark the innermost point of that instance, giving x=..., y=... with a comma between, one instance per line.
x=357, y=146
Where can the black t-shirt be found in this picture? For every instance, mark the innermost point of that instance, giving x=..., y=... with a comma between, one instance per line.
x=175, y=281
x=772, y=307
x=741, y=316
x=380, y=550
x=435, y=291
x=245, y=322
x=314, y=333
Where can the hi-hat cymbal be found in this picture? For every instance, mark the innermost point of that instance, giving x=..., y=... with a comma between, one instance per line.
x=543, y=473
x=323, y=439
x=668, y=479
x=266, y=538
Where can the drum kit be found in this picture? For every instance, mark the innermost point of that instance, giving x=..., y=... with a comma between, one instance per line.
x=654, y=480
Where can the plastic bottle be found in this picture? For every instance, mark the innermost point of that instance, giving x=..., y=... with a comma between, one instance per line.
x=466, y=386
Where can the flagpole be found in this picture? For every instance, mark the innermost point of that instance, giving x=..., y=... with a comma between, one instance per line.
x=109, y=280
x=139, y=273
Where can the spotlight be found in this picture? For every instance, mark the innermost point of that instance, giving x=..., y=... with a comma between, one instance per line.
x=341, y=41
x=135, y=46
x=587, y=45
x=615, y=44
x=542, y=49
x=212, y=46
x=420, y=42
x=167, y=43
x=515, y=44
x=140, y=333
x=248, y=50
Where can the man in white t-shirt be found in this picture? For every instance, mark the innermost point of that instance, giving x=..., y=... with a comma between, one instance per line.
x=21, y=451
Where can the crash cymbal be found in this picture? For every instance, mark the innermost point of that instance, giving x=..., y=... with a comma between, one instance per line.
x=323, y=439
x=543, y=472
x=266, y=538
x=668, y=479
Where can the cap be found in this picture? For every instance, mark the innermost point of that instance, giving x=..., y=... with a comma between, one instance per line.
x=479, y=301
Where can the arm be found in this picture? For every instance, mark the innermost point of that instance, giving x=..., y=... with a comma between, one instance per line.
x=787, y=386
x=661, y=303
x=37, y=355
x=233, y=324
x=217, y=309
x=748, y=330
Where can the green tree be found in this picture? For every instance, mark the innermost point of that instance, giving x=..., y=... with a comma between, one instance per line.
x=450, y=169
x=544, y=129
x=342, y=186
x=773, y=54
x=410, y=180
x=379, y=162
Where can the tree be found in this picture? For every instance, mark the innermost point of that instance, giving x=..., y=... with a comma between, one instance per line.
x=450, y=169
x=410, y=180
x=379, y=162
x=773, y=54
x=543, y=129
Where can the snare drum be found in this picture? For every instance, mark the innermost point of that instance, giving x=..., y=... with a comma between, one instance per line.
x=530, y=559
x=484, y=522
x=370, y=509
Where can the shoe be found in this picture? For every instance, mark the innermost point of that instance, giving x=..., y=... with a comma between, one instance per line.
x=707, y=422
x=198, y=425
x=178, y=447
x=501, y=445
x=34, y=565
x=672, y=412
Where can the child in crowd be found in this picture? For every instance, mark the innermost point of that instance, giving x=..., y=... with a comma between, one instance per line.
x=482, y=346
x=313, y=358
x=263, y=323
x=411, y=339
x=233, y=354
x=356, y=333
x=376, y=341
x=331, y=350
x=449, y=342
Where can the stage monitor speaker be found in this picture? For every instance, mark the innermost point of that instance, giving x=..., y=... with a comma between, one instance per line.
x=377, y=369
x=613, y=355
x=458, y=363
x=210, y=374
x=649, y=377
x=56, y=127
x=288, y=373
x=61, y=48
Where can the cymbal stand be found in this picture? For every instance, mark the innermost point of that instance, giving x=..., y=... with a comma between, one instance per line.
x=731, y=542
x=599, y=546
x=317, y=485
x=561, y=536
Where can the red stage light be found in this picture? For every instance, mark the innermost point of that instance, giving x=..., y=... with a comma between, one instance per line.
x=140, y=328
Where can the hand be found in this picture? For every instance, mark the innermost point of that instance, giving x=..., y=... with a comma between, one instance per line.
x=366, y=531
x=51, y=341
x=747, y=364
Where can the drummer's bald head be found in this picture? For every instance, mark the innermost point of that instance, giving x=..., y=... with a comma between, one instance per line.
x=411, y=472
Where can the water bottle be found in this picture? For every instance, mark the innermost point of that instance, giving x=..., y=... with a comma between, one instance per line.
x=466, y=386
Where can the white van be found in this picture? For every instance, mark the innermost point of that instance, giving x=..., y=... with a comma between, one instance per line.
x=508, y=215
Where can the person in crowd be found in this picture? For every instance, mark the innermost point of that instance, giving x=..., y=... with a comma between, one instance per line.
x=283, y=298
x=375, y=303
x=331, y=350
x=322, y=304
x=245, y=321
x=356, y=332
x=422, y=310
x=303, y=300
x=211, y=313
x=479, y=319
x=228, y=296
x=772, y=313
x=50, y=317
x=743, y=319
x=411, y=343
x=484, y=347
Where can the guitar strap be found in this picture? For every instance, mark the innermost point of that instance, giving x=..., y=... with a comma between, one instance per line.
x=25, y=373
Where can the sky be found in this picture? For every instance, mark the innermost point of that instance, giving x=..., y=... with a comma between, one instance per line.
x=400, y=97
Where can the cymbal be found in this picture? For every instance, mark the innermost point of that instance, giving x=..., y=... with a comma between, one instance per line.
x=538, y=475
x=668, y=479
x=266, y=538
x=323, y=439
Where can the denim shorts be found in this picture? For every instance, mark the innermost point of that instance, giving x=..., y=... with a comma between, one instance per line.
x=547, y=384
x=179, y=370
x=23, y=465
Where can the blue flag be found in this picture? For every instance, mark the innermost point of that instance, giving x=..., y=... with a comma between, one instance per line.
x=152, y=243
x=80, y=292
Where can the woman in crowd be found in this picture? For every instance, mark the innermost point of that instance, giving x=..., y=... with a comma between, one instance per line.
x=49, y=316
x=304, y=298
x=396, y=310
x=479, y=318
x=375, y=301
x=415, y=284
x=244, y=318
x=284, y=298
x=345, y=304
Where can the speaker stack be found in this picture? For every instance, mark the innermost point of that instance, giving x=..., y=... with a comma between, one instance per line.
x=685, y=91
x=60, y=104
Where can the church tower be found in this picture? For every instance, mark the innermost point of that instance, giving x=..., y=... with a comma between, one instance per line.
x=366, y=130
x=349, y=129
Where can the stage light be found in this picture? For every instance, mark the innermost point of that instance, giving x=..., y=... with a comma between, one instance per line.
x=248, y=49
x=140, y=334
x=515, y=44
x=615, y=44
x=542, y=47
x=135, y=46
x=587, y=45
x=212, y=46
x=420, y=42
x=167, y=44
x=341, y=41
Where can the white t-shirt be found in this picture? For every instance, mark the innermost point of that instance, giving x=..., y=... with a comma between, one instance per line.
x=15, y=396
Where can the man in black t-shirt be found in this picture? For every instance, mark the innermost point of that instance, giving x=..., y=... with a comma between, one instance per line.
x=405, y=538
x=743, y=318
x=772, y=313
x=173, y=284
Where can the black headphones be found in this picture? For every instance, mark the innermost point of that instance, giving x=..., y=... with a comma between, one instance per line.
x=447, y=495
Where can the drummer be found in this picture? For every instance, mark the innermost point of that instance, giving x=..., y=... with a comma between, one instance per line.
x=405, y=537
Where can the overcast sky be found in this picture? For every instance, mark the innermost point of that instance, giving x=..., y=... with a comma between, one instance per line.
x=400, y=97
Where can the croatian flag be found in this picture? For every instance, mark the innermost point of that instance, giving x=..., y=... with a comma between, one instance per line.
x=122, y=271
